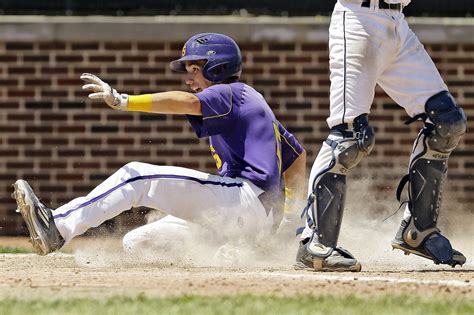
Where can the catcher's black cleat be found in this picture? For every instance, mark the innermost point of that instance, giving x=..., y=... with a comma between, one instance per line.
x=44, y=236
x=423, y=250
x=339, y=260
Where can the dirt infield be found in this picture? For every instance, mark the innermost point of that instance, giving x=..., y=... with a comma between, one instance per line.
x=97, y=269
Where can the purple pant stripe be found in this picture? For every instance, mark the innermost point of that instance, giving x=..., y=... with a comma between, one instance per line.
x=134, y=179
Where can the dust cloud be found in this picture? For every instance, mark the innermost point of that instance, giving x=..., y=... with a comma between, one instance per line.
x=364, y=233
x=368, y=237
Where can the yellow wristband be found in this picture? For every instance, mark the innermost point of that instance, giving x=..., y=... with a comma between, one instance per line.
x=140, y=103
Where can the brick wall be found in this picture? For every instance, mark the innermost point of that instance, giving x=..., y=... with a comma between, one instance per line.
x=64, y=144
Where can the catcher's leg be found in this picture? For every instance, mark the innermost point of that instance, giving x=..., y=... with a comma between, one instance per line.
x=346, y=145
x=418, y=233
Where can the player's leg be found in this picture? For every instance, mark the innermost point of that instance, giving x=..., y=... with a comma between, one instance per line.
x=346, y=145
x=163, y=235
x=187, y=194
x=418, y=233
x=209, y=200
x=414, y=82
x=411, y=78
x=356, y=56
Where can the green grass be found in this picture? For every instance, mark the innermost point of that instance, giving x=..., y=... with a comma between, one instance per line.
x=241, y=304
x=15, y=250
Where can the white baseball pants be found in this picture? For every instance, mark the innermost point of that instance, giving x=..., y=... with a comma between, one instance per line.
x=222, y=205
x=369, y=46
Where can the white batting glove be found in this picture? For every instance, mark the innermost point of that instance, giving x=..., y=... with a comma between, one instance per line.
x=104, y=91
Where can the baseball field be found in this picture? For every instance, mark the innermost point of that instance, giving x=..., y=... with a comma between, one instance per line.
x=94, y=276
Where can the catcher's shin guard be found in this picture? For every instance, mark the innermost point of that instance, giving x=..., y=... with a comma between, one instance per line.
x=328, y=207
x=348, y=144
x=426, y=179
x=427, y=172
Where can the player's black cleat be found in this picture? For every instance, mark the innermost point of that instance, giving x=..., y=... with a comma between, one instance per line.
x=339, y=260
x=44, y=236
x=398, y=243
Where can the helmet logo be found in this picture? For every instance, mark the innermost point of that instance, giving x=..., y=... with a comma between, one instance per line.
x=210, y=53
x=183, y=51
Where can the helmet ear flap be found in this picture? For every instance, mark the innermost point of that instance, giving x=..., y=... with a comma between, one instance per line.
x=214, y=72
x=218, y=69
x=219, y=72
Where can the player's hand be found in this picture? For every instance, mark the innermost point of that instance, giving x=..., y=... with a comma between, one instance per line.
x=104, y=91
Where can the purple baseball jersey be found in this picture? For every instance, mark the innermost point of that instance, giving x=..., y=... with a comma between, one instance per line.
x=246, y=140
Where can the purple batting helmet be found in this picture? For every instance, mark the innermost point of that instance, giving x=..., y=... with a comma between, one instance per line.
x=221, y=53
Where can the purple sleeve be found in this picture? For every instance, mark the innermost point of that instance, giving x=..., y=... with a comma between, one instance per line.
x=290, y=148
x=218, y=111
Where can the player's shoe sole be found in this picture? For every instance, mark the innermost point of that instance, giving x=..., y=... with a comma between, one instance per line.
x=44, y=235
x=458, y=258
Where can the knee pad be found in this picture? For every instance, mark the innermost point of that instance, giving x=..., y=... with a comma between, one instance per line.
x=355, y=143
x=449, y=122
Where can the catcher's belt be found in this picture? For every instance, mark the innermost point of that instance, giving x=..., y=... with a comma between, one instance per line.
x=384, y=5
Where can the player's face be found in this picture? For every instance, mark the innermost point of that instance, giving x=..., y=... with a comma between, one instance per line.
x=195, y=79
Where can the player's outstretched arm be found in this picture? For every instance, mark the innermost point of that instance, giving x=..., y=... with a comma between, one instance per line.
x=173, y=102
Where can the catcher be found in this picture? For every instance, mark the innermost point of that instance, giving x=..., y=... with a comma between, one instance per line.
x=371, y=43
x=257, y=158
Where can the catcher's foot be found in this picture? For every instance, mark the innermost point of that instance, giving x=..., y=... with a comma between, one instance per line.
x=398, y=243
x=339, y=260
x=44, y=236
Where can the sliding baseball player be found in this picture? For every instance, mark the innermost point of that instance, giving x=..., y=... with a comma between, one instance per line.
x=256, y=157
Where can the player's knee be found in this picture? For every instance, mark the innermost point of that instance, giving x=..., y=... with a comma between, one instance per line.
x=134, y=165
x=130, y=242
x=136, y=240
x=350, y=152
x=449, y=122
